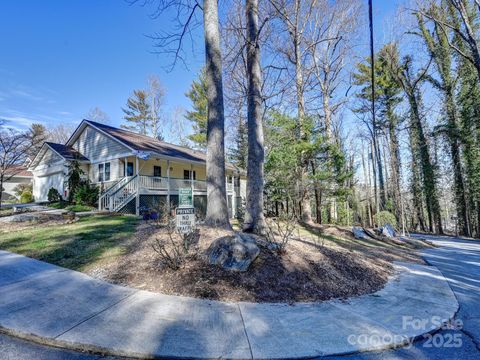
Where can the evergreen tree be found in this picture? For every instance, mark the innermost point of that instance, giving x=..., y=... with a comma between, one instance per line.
x=198, y=116
x=239, y=153
x=137, y=113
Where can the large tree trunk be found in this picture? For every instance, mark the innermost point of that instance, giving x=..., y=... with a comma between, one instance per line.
x=217, y=209
x=254, y=218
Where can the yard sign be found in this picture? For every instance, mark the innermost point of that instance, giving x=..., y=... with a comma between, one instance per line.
x=185, y=219
x=185, y=197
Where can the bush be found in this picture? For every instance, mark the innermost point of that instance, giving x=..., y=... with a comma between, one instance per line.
x=26, y=197
x=20, y=188
x=173, y=251
x=86, y=194
x=279, y=231
x=54, y=195
x=385, y=217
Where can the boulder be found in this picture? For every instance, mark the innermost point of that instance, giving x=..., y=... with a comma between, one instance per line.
x=388, y=231
x=234, y=253
x=359, y=233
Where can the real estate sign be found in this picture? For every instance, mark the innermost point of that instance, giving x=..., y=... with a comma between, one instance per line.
x=185, y=197
x=185, y=219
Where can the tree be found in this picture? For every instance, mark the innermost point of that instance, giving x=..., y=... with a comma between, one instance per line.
x=254, y=219
x=420, y=151
x=14, y=146
x=295, y=17
x=98, y=115
x=198, y=115
x=60, y=133
x=387, y=93
x=74, y=178
x=437, y=43
x=238, y=153
x=138, y=113
x=156, y=94
x=37, y=135
x=217, y=209
x=461, y=23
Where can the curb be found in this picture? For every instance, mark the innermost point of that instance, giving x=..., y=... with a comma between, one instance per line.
x=300, y=312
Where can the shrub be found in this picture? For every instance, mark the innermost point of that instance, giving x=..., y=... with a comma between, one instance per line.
x=86, y=194
x=173, y=250
x=26, y=197
x=385, y=217
x=54, y=195
x=279, y=231
x=20, y=188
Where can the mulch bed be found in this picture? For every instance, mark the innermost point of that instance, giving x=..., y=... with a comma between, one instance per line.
x=314, y=268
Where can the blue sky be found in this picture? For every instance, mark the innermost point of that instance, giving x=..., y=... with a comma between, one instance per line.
x=61, y=58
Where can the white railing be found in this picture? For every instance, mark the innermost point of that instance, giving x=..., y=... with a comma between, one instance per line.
x=124, y=194
x=153, y=182
x=117, y=196
x=104, y=200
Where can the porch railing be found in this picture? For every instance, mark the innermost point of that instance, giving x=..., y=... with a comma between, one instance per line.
x=161, y=183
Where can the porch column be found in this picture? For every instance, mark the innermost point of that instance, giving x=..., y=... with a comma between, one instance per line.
x=125, y=166
x=234, y=198
x=168, y=187
x=191, y=179
x=137, y=198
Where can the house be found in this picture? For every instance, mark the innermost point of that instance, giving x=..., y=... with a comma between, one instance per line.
x=21, y=176
x=133, y=171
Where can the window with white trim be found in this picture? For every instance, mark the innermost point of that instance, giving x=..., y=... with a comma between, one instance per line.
x=104, y=172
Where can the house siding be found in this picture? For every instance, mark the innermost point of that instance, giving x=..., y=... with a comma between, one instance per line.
x=50, y=157
x=96, y=146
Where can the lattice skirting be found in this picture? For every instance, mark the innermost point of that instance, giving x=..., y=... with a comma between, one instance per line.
x=157, y=202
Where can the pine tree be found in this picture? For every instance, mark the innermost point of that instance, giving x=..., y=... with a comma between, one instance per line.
x=239, y=153
x=198, y=116
x=137, y=113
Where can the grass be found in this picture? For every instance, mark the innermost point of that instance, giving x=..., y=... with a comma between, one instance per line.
x=86, y=243
x=74, y=208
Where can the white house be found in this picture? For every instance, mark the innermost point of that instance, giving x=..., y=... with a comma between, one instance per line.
x=132, y=170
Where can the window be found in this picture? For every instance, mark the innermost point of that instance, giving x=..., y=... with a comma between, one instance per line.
x=104, y=172
x=186, y=174
x=236, y=181
x=100, y=172
x=157, y=171
x=107, y=171
x=129, y=169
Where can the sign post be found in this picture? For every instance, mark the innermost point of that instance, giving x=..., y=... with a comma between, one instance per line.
x=185, y=212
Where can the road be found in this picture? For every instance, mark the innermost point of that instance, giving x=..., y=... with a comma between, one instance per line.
x=457, y=259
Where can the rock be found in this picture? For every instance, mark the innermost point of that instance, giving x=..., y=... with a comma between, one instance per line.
x=388, y=231
x=70, y=215
x=359, y=233
x=234, y=253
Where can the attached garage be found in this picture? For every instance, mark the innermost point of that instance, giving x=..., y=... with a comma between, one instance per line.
x=50, y=169
x=42, y=184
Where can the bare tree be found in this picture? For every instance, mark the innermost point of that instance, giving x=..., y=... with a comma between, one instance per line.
x=60, y=133
x=14, y=147
x=98, y=115
x=156, y=94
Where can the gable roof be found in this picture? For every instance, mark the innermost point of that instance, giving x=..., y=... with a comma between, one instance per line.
x=142, y=143
x=64, y=151
x=67, y=152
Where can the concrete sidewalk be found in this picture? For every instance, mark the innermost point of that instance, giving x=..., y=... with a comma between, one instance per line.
x=60, y=307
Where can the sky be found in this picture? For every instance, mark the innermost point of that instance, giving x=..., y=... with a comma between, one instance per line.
x=59, y=59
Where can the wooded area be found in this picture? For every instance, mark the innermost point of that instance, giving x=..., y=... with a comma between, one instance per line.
x=286, y=93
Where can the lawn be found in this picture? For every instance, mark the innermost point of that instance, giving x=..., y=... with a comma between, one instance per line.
x=71, y=207
x=88, y=242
